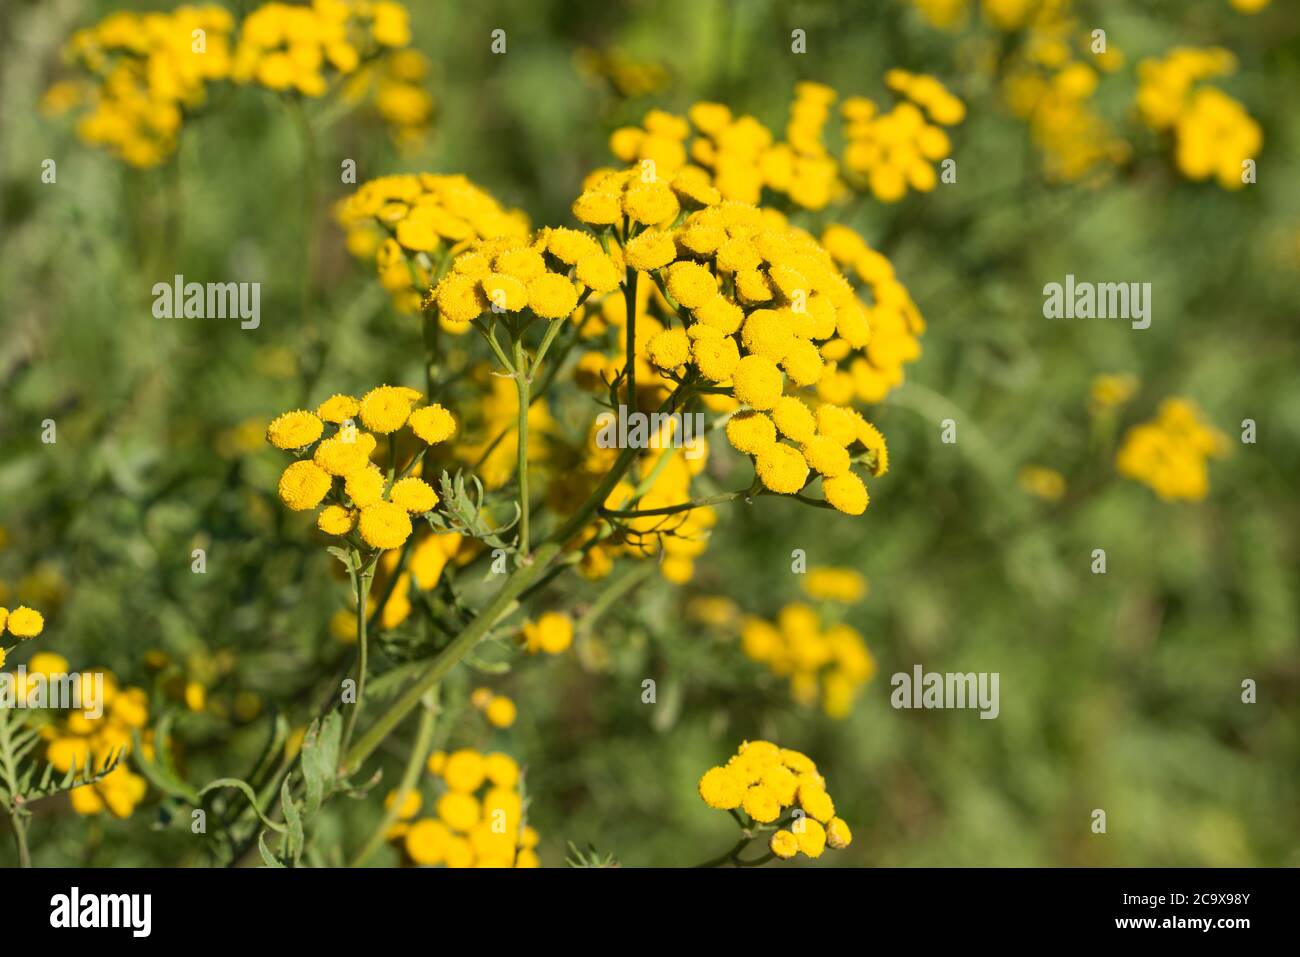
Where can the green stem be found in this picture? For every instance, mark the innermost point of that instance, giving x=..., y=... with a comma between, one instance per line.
x=523, y=383
x=728, y=857
x=520, y=579
x=10, y=770
x=414, y=764
x=629, y=299
x=361, y=583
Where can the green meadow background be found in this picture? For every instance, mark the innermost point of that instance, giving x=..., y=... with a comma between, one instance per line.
x=1119, y=691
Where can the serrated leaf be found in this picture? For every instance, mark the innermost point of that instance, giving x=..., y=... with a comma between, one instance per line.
x=268, y=858
x=320, y=758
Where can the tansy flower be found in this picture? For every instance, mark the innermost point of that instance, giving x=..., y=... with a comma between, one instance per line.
x=669, y=349
x=811, y=837
x=781, y=469
x=410, y=806
x=338, y=408
x=794, y=419
x=386, y=408
x=715, y=356
x=384, y=525
x=303, y=485
x=721, y=788
x=500, y=712
x=750, y=432
x=838, y=834
x=552, y=296
x=757, y=382
x=501, y=769
x=552, y=633
x=339, y=457
x=460, y=811
x=651, y=250
x=426, y=841
x=464, y=770
x=413, y=494
x=23, y=622
x=336, y=520
x=761, y=804
x=365, y=487
x=294, y=430
x=784, y=845
x=432, y=424
x=691, y=284
x=846, y=493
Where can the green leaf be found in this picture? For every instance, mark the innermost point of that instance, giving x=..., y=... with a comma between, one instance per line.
x=320, y=759
x=293, y=818
x=268, y=858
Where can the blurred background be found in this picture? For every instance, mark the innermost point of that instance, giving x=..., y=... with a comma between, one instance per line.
x=1119, y=692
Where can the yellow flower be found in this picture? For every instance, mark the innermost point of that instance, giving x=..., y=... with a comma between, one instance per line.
x=426, y=841
x=838, y=834
x=384, y=525
x=413, y=494
x=826, y=456
x=834, y=584
x=811, y=837
x=337, y=456
x=338, y=408
x=501, y=769
x=460, y=811
x=410, y=807
x=336, y=520
x=24, y=622
x=365, y=487
x=464, y=770
x=757, y=382
x=1045, y=483
x=597, y=208
x=303, y=485
x=784, y=845
x=500, y=712
x=552, y=296
x=716, y=357
x=669, y=349
x=459, y=298
x=386, y=408
x=846, y=493
x=761, y=804
x=552, y=633
x=814, y=799
x=691, y=284
x=294, y=430
x=651, y=250
x=721, y=788
x=650, y=203
x=432, y=424
x=781, y=469
x=750, y=432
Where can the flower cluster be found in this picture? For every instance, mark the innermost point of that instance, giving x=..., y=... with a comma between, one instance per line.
x=827, y=663
x=403, y=222
x=628, y=77
x=22, y=623
x=890, y=152
x=740, y=157
x=1170, y=452
x=480, y=815
x=84, y=742
x=1051, y=86
x=285, y=46
x=338, y=466
x=780, y=787
x=143, y=73
x=510, y=275
x=1214, y=136
x=145, y=70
